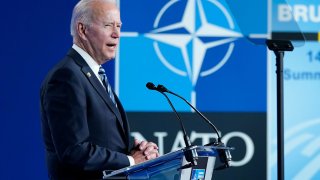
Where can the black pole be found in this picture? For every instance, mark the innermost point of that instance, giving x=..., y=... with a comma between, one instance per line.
x=280, y=116
x=279, y=47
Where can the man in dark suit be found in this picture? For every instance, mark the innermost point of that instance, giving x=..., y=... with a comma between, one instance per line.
x=84, y=125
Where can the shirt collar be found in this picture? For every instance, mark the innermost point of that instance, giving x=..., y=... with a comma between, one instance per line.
x=89, y=60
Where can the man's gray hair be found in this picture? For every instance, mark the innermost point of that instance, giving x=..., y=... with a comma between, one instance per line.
x=82, y=12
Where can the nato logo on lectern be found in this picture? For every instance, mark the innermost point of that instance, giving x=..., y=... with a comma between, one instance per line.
x=187, y=41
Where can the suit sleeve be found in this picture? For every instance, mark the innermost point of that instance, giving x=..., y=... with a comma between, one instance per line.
x=64, y=102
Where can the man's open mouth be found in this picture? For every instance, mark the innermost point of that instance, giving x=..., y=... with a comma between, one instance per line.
x=112, y=45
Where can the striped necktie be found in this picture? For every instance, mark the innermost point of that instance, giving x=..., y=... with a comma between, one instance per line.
x=104, y=79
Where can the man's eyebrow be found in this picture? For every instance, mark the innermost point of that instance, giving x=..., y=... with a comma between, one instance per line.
x=110, y=22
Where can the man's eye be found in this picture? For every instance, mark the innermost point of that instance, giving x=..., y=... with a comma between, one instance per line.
x=113, y=25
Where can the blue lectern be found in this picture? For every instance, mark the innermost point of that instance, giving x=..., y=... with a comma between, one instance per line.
x=173, y=166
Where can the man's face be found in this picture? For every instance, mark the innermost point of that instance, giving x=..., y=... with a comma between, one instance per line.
x=104, y=32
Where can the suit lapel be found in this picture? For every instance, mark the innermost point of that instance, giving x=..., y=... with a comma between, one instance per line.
x=124, y=119
x=96, y=84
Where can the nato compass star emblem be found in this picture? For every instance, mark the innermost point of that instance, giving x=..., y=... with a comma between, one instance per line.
x=192, y=47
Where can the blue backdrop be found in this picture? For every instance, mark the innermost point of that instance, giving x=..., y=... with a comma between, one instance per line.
x=35, y=35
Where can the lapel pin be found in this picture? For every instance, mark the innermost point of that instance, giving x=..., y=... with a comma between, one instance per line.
x=88, y=74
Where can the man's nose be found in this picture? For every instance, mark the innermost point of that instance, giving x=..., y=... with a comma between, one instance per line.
x=115, y=33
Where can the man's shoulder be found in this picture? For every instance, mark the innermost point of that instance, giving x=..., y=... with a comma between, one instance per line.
x=72, y=61
x=65, y=68
x=68, y=69
x=64, y=65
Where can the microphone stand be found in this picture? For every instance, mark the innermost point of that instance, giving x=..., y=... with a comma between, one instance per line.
x=189, y=152
x=162, y=88
x=225, y=155
x=279, y=47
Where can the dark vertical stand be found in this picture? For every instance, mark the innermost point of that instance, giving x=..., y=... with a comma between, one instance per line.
x=280, y=124
x=278, y=47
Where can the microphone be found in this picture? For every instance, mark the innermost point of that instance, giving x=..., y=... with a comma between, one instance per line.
x=151, y=86
x=225, y=155
x=190, y=153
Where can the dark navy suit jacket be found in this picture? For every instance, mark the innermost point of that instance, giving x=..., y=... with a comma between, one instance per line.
x=84, y=132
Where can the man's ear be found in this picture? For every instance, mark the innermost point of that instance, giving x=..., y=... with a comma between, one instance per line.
x=82, y=30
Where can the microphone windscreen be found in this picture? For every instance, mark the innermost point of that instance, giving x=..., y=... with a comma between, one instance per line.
x=151, y=86
x=162, y=88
